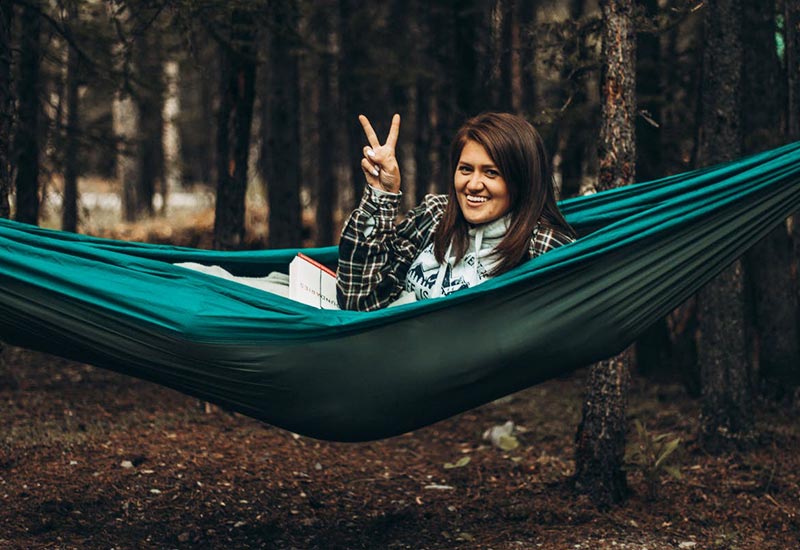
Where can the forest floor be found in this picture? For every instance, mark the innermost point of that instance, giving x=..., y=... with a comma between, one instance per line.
x=91, y=459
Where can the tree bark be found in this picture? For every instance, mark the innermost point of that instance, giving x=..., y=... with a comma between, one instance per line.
x=6, y=116
x=69, y=212
x=26, y=139
x=126, y=118
x=769, y=264
x=329, y=108
x=792, y=21
x=151, y=107
x=173, y=171
x=600, y=440
x=234, y=117
x=725, y=368
x=282, y=131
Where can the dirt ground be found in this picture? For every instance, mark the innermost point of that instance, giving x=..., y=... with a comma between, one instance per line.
x=90, y=459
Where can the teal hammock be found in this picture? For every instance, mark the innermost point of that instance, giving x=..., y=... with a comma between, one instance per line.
x=350, y=376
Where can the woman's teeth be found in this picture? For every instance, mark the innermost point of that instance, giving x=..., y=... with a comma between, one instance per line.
x=470, y=198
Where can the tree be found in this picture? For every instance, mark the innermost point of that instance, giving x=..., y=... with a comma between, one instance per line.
x=600, y=441
x=281, y=129
x=125, y=114
x=234, y=117
x=769, y=263
x=69, y=212
x=727, y=394
x=26, y=138
x=6, y=19
x=173, y=170
x=327, y=26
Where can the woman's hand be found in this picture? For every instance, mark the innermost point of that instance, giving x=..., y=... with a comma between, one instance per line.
x=379, y=163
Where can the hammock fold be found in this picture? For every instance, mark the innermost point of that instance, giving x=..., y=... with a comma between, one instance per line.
x=351, y=376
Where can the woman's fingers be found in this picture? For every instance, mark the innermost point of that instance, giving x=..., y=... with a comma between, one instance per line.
x=370, y=171
x=371, y=136
x=391, y=140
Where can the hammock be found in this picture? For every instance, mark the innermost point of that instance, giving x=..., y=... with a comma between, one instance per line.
x=350, y=376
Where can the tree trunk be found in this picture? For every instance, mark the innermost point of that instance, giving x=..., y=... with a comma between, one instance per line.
x=151, y=107
x=353, y=20
x=173, y=171
x=792, y=22
x=724, y=365
x=69, y=212
x=235, y=115
x=282, y=131
x=653, y=353
x=6, y=116
x=26, y=139
x=424, y=88
x=328, y=119
x=600, y=440
x=769, y=264
x=125, y=116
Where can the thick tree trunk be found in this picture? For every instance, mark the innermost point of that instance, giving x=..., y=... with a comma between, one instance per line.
x=173, y=171
x=26, y=139
x=724, y=365
x=282, y=132
x=235, y=115
x=600, y=440
x=6, y=18
x=69, y=212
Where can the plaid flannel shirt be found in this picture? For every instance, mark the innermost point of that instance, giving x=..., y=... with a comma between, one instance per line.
x=375, y=253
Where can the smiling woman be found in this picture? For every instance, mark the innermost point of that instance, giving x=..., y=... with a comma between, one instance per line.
x=500, y=211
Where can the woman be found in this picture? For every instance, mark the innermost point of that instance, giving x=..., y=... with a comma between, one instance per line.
x=499, y=212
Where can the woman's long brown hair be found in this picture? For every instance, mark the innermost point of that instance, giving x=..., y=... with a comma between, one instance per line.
x=518, y=151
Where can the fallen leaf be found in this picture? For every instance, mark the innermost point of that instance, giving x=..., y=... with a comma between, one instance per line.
x=460, y=463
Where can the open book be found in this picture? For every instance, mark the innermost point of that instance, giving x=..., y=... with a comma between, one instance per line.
x=312, y=283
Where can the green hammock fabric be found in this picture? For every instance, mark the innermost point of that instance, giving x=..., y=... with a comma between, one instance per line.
x=351, y=376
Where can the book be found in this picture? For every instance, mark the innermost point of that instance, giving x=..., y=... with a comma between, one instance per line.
x=312, y=283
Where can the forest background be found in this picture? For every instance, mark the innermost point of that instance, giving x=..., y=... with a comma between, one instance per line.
x=233, y=125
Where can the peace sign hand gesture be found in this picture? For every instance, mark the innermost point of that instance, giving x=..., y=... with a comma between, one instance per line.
x=379, y=163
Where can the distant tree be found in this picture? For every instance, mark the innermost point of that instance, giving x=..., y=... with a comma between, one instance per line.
x=653, y=348
x=724, y=364
x=327, y=25
x=234, y=117
x=769, y=263
x=423, y=128
x=150, y=98
x=6, y=19
x=173, y=168
x=26, y=138
x=69, y=212
x=281, y=130
x=125, y=113
x=600, y=440
x=792, y=23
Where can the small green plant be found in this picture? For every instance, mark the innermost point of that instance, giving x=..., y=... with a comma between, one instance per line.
x=653, y=455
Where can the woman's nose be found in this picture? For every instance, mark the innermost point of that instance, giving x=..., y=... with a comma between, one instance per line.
x=475, y=182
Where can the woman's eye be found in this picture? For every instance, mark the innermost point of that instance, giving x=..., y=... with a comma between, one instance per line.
x=492, y=173
x=464, y=169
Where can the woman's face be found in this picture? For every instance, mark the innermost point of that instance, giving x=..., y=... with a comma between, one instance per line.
x=481, y=190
